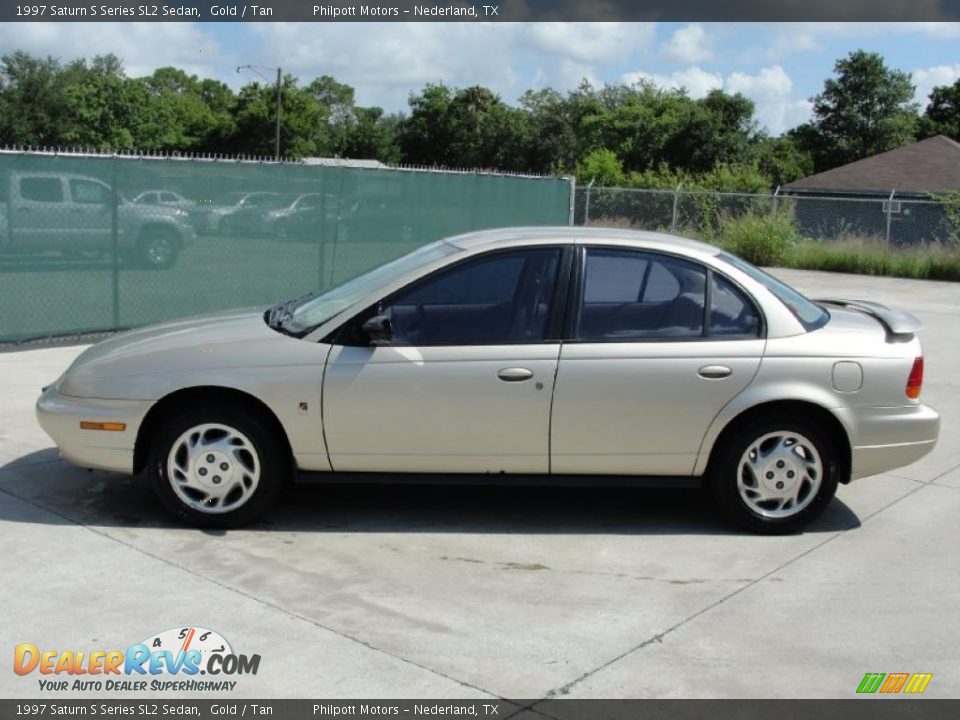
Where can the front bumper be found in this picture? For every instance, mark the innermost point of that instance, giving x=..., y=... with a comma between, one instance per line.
x=886, y=438
x=60, y=417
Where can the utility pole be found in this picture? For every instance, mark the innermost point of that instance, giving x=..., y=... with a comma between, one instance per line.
x=276, y=151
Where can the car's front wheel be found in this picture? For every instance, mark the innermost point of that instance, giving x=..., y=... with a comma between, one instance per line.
x=775, y=475
x=217, y=467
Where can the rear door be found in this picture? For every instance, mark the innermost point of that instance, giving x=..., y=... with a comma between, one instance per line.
x=465, y=384
x=648, y=366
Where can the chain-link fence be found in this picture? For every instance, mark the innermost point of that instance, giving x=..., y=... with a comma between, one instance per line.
x=890, y=222
x=91, y=243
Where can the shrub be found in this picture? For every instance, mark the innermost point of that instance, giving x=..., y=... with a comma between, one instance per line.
x=762, y=239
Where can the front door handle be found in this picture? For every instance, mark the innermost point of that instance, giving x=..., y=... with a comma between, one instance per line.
x=714, y=372
x=515, y=374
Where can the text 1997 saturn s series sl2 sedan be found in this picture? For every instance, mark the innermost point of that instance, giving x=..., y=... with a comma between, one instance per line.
x=583, y=355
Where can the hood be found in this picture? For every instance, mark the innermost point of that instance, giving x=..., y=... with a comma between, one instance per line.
x=192, y=333
x=171, y=353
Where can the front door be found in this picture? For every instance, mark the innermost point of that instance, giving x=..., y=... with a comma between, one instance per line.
x=464, y=385
x=648, y=366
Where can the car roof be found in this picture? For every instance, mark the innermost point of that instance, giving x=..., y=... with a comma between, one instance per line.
x=582, y=236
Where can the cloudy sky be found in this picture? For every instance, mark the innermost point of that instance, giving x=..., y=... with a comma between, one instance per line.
x=779, y=66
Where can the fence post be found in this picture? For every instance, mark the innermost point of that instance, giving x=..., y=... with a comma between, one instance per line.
x=775, y=205
x=573, y=200
x=115, y=247
x=889, y=216
x=676, y=199
x=586, y=203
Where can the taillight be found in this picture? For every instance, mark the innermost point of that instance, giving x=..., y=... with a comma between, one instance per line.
x=916, y=379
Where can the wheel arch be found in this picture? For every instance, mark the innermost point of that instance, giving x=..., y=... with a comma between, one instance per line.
x=190, y=397
x=797, y=408
x=159, y=225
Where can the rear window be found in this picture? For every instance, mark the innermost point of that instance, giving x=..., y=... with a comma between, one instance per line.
x=810, y=315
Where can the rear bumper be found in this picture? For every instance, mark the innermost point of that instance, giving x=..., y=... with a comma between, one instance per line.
x=886, y=438
x=60, y=416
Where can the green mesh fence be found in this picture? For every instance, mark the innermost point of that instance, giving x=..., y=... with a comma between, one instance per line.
x=97, y=243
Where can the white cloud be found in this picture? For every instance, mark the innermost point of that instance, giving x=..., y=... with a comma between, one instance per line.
x=142, y=46
x=588, y=42
x=695, y=80
x=927, y=79
x=385, y=61
x=688, y=44
x=789, y=38
x=770, y=89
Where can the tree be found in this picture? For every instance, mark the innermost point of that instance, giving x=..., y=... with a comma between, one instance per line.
x=942, y=116
x=866, y=109
x=31, y=100
x=199, y=112
x=781, y=161
x=470, y=127
x=600, y=166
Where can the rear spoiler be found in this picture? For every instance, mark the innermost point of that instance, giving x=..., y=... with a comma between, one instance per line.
x=897, y=322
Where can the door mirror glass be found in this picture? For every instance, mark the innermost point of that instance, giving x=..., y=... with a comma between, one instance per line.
x=378, y=329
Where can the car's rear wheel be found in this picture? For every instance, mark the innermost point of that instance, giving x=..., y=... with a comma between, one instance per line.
x=217, y=467
x=775, y=475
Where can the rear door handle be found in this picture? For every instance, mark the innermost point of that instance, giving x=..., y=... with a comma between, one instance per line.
x=714, y=372
x=515, y=374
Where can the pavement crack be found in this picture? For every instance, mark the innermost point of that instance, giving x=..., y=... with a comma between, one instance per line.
x=259, y=601
x=659, y=637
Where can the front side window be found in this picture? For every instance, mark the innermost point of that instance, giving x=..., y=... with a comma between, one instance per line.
x=630, y=295
x=503, y=298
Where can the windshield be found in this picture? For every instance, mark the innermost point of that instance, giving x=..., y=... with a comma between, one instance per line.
x=309, y=312
x=810, y=315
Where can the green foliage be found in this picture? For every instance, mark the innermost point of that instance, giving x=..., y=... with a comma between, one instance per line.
x=720, y=178
x=928, y=262
x=759, y=238
x=781, y=161
x=942, y=116
x=866, y=109
x=601, y=166
x=470, y=127
x=658, y=137
x=951, y=216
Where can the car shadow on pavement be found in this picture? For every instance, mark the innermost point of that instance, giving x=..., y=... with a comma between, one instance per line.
x=72, y=495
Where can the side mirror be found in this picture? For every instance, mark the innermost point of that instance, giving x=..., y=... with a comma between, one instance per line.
x=378, y=329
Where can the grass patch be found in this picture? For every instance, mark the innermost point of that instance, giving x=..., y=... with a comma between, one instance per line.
x=773, y=240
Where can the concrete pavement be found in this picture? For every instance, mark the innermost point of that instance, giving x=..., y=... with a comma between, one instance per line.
x=442, y=592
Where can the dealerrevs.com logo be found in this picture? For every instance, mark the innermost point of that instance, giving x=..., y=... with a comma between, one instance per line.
x=170, y=661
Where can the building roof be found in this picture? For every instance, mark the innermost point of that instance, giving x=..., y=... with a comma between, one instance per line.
x=928, y=166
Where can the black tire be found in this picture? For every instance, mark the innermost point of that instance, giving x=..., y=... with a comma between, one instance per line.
x=158, y=248
x=275, y=465
x=725, y=487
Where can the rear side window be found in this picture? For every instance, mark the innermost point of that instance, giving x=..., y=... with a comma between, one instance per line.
x=731, y=313
x=629, y=295
x=85, y=191
x=41, y=189
x=810, y=315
